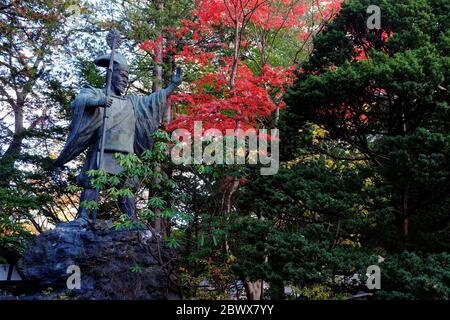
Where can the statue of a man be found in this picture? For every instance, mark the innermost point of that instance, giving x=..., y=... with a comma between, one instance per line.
x=131, y=120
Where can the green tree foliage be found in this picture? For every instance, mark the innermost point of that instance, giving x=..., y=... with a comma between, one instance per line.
x=365, y=176
x=391, y=107
x=31, y=102
x=374, y=106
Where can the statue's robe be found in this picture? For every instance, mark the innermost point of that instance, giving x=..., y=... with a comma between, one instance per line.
x=87, y=122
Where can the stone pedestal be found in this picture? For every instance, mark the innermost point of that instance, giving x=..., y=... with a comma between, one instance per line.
x=113, y=264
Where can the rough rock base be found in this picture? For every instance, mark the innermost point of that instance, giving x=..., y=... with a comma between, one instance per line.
x=126, y=264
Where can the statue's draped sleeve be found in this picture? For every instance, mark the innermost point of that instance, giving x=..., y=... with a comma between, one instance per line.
x=84, y=126
x=149, y=111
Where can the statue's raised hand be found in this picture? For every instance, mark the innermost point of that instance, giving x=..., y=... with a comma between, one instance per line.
x=177, y=77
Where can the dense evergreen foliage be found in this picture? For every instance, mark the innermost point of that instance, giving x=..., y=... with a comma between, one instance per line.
x=385, y=118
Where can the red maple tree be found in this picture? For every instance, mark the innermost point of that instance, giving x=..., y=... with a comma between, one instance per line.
x=227, y=94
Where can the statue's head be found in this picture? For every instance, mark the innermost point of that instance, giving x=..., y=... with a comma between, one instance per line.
x=119, y=80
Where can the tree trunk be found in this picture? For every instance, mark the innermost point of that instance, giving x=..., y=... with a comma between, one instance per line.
x=11, y=154
x=162, y=226
x=254, y=290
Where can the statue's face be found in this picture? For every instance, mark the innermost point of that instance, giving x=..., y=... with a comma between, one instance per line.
x=119, y=81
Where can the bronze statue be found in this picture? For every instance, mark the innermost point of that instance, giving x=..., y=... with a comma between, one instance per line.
x=130, y=122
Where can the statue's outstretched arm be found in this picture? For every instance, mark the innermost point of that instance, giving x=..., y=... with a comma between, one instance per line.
x=153, y=106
